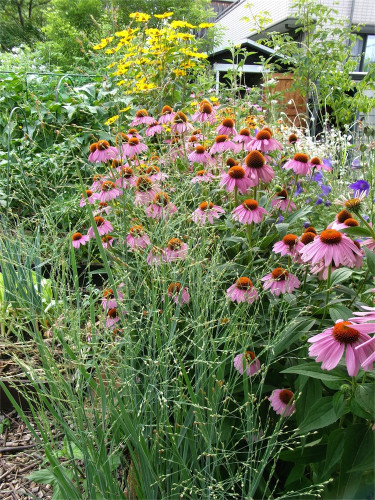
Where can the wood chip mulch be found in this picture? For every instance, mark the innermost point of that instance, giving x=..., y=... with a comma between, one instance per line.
x=19, y=457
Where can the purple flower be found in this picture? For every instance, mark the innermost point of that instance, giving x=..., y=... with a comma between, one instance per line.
x=299, y=189
x=326, y=189
x=319, y=201
x=356, y=164
x=318, y=177
x=327, y=203
x=327, y=162
x=281, y=218
x=361, y=185
x=306, y=224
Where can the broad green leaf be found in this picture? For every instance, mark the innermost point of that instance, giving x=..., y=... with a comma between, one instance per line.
x=314, y=371
x=291, y=334
x=365, y=397
x=370, y=257
x=338, y=311
x=340, y=275
x=356, y=231
x=321, y=415
x=305, y=455
x=335, y=448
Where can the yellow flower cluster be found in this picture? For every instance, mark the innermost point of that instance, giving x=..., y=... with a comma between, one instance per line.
x=158, y=57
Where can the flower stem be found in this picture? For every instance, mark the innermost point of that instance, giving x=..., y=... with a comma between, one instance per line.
x=235, y=196
x=327, y=292
x=292, y=193
x=367, y=225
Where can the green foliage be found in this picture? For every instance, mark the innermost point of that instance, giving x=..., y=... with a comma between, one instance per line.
x=321, y=61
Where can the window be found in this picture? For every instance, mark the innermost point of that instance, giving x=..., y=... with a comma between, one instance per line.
x=364, y=47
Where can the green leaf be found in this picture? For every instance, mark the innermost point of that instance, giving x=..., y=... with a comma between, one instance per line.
x=340, y=275
x=314, y=371
x=338, y=311
x=307, y=454
x=365, y=397
x=335, y=448
x=321, y=415
x=44, y=476
x=356, y=231
x=370, y=258
x=291, y=334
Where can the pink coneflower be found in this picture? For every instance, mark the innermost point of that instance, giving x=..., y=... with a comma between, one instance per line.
x=141, y=117
x=205, y=113
x=155, y=256
x=206, y=210
x=281, y=201
x=221, y=144
x=103, y=208
x=161, y=207
x=242, y=139
x=146, y=190
x=248, y=212
x=179, y=294
x=282, y=402
x=108, y=300
x=364, y=316
x=103, y=226
x=199, y=155
x=180, y=123
x=226, y=128
x=109, y=191
x=332, y=247
x=256, y=168
x=79, y=239
x=248, y=361
x=167, y=115
x=299, y=164
x=292, y=139
x=154, y=128
x=102, y=151
x=137, y=238
x=97, y=182
x=329, y=346
x=340, y=218
x=242, y=291
x=133, y=132
x=280, y=281
x=350, y=222
x=127, y=178
x=319, y=165
x=289, y=245
x=107, y=241
x=154, y=173
x=202, y=176
x=192, y=143
x=264, y=142
x=236, y=177
x=133, y=147
x=176, y=250
x=112, y=317
x=91, y=198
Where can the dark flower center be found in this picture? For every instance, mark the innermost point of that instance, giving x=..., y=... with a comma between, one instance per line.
x=205, y=107
x=193, y=138
x=353, y=203
x=152, y=170
x=133, y=141
x=127, y=172
x=301, y=157
x=180, y=117
x=290, y=240
x=255, y=159
x=279, y=274
x=76, y=236
x=351, y=222
x=343, y=215
x=206, y=205
x=161, y=199
x=315, y=161
x=282, y=194
x=143, y=183
x=231, y=162
x=292, y=139
x=167, y=110
x=243, y=283
x=245, y=132
x=112, y=313
x=174, y=244
x=330, y=237
x=345, y=334
x=228, y=122
x=249, y=356
x=201, y=172
x=108, y=293
x=307, y=237
x=311, y=229
x=133, y=131
x=108, y=185
x=250, y=204
x=174, y=288
x=263, y=135
x=141, y=113
x=137, y=231
x=221, y=138
x=236, y=172
x=102, y=145
x=99, y=221
x=200, y=149
x=286, y=396
x=93, y=147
